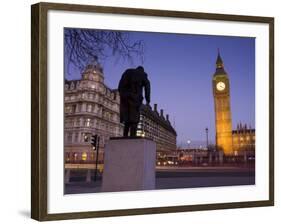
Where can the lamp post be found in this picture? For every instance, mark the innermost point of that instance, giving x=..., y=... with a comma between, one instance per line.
x=207, y=140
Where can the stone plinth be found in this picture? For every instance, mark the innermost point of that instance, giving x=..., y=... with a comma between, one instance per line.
x=129, y=164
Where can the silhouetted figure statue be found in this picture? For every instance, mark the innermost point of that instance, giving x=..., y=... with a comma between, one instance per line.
x=130, y=88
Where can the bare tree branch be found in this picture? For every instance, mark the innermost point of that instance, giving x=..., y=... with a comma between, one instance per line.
x=83, y=45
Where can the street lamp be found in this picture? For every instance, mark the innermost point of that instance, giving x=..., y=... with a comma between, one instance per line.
x=188, y=144
x=207, y=140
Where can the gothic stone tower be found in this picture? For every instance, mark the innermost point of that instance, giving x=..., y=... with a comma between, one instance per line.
x=221, y=92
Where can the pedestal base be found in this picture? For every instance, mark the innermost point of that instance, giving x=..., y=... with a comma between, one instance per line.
x=129, y=165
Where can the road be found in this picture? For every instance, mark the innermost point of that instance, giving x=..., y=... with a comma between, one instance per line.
x=171, y=178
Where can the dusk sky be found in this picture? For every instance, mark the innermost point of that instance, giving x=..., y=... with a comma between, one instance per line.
x=180, y=68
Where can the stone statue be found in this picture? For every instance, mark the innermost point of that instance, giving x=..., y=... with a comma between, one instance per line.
x=130, y=89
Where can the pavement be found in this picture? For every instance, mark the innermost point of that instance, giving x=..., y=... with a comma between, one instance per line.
x=172, y=178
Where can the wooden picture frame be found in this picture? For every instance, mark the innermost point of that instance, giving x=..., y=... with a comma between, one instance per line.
x=39, y=108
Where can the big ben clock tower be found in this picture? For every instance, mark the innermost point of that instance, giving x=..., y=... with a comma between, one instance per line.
x=221, y=93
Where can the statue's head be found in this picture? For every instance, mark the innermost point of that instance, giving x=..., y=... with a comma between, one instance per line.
x=140, y=68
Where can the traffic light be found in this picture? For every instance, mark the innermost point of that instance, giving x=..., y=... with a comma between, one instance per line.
x=94, y=140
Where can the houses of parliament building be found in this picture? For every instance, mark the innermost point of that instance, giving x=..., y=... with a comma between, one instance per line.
x=93, y=108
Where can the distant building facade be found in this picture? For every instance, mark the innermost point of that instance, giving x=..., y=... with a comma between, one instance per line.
x=199, y=156
x=156, y=126
x=90, y=108
x=243, y=139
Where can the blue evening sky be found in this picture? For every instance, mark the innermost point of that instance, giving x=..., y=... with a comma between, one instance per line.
x=180, y=68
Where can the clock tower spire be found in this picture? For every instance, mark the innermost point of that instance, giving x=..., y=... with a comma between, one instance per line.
x=221, y=92
x=219, y=62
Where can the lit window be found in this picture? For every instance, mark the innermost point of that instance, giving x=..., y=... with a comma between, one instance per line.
x=84, y=156
x=92, y=156
x=67, y=156
x=85, y=137
x=140, y=133
x=68, y=109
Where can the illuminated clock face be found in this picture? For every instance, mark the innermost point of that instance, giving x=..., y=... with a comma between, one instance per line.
x=220, y=86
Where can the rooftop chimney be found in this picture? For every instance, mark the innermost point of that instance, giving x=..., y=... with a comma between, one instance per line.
x=162, y=113
x=155, y=107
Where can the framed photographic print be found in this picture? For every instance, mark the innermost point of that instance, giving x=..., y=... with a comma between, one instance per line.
x=140, y=111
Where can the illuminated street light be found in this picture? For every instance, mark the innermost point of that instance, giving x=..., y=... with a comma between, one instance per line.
x=188, y=143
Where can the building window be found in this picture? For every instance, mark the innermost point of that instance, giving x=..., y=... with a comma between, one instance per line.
x=75, y=123
x=79, y=106
x=89, y=108
x=78, y=85
x=80, y=122
x=84, y=156
x=75, y=155
x=76, y=137
x=69, y=137
x=72, y=86
x=92, y=155
x=73, y=109
x=67, y=123
x=88, y=122
x=67, y=156
x=67, y=109
x=85, y=137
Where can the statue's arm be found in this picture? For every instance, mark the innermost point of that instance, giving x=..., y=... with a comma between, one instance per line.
x=122, y=84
